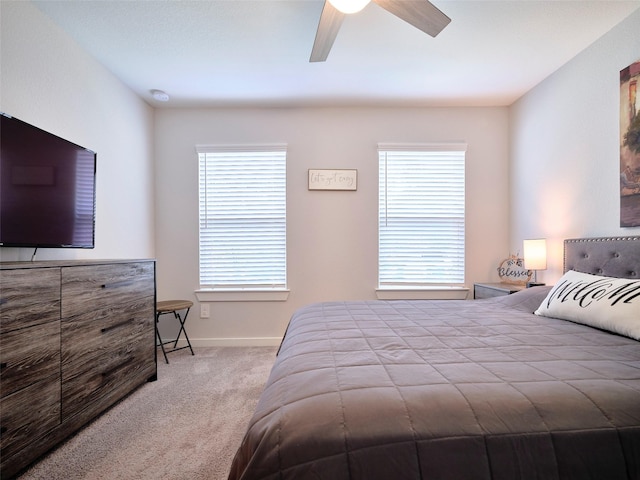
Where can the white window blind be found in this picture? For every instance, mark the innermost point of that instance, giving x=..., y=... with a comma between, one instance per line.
x=242, y=196
x=421, y=215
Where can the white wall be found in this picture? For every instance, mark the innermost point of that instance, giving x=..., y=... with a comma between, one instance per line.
x=48, y=81
x=565, y=149
x=332, y=236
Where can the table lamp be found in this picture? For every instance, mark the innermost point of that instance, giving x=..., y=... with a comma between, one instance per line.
x=535, y=258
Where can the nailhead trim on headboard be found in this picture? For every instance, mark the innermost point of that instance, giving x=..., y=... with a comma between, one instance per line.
x=607, y=256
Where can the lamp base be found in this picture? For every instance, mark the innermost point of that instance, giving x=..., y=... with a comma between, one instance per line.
x=534, y=284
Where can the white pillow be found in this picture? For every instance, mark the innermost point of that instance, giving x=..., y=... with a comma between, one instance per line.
x=612, y=304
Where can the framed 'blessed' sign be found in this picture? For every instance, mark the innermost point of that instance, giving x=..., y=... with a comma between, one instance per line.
x=511, y=270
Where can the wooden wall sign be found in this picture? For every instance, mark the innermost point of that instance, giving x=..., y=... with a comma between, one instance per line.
x=333, y=179
x=511, y=270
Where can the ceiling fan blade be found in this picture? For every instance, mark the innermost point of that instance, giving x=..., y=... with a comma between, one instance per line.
x=330, y=22
x=422, y=14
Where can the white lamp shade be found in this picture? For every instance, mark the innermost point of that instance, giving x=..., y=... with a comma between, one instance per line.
x=349, y=6
x=535, y=254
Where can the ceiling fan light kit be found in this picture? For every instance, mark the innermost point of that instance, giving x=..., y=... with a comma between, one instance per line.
x=422, y=14
x=349, y=6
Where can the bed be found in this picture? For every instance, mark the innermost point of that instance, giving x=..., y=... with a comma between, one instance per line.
x=469, y=389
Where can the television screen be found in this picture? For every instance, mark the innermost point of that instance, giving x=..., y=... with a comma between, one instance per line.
x=47, y=189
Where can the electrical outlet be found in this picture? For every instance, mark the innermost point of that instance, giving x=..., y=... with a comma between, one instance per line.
x=204, y=310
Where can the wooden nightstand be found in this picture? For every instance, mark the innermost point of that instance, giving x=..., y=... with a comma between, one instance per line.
x=488, y=290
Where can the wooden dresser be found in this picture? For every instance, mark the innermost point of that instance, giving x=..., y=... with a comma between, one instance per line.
x=75, y=337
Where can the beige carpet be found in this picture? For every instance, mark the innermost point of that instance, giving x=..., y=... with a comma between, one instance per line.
x=186, y=425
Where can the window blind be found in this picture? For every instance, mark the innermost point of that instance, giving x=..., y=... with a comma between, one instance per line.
x=421, y=215
x=242, y=198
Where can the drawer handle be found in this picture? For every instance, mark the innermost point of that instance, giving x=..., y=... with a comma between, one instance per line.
x=3, y=430
x=3, y=365
x=117, y=325
x=123, y=283
x=3, y=301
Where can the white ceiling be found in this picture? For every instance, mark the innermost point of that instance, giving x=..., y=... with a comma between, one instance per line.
x=256, y=52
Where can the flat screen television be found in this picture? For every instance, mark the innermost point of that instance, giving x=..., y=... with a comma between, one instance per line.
x=47, y=189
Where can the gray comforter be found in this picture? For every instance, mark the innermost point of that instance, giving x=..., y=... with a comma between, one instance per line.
x=478, y=389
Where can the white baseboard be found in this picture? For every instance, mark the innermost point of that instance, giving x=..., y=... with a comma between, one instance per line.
x=233, y=342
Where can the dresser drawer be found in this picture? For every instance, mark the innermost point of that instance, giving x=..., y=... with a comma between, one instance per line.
x=105, y=286
x=29, y=414
x=29, y=297
x=89, y=391
x=92, y=335
x=29, y=355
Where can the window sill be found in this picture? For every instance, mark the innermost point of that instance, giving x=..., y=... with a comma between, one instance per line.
x=242, y=295
x=424, y=293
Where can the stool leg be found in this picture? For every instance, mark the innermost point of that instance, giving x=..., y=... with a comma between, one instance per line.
x=160, y=339
x=182, y=329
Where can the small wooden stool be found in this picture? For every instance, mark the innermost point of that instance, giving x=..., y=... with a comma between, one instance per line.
x=173, y=306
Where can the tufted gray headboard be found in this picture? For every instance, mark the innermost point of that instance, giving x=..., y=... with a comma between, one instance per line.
x=608, y=256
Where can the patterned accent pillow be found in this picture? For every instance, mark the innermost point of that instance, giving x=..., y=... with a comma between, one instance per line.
x=608, y=303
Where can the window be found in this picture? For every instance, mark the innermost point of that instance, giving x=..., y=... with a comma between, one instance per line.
x=242, y=197
x=421, y=225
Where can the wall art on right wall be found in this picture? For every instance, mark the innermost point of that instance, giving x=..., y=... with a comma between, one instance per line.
x=630, y=146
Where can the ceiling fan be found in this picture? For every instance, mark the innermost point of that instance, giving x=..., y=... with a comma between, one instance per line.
x=422, y=14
